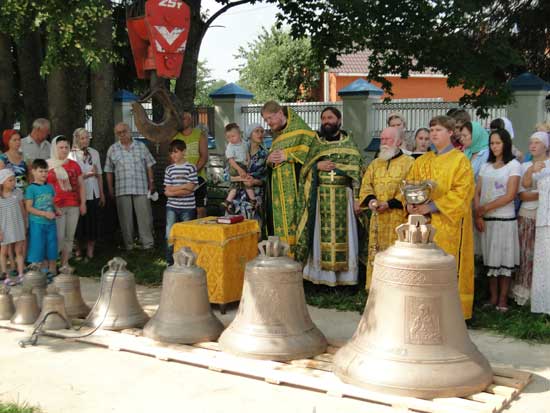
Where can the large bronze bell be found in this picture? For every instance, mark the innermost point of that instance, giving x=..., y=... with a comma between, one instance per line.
x=184, y=314
x=68, y=286
x=272, y=321
x=26, y=308
x=117, y=306
x=412, y=339
x=37, y=281
x=7, y=309
x=53, y=315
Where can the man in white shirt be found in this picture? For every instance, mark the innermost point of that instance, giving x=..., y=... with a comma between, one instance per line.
x=35, y=146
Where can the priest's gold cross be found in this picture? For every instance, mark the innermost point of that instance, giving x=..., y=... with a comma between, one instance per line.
x=332, y=174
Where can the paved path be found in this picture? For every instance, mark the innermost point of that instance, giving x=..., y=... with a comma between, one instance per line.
x=63, y=377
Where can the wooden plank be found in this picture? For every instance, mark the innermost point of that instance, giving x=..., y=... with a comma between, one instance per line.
x=466, y=405
x=508, y=382
x=523, y=376
x=507, y=392
x=491, y=399
x=313, y=374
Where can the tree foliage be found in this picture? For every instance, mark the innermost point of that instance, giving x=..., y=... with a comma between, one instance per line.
x=206, y=84
x=278, y=67
x=479, y=44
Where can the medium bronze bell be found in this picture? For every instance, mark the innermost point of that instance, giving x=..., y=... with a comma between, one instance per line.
x=68, y=286
x=26, y=308
x=37, y=281
x=184, y=314
x=53, y=315
x=272, y=321
x=7, y=309
x=117, y=306
x=412, y=339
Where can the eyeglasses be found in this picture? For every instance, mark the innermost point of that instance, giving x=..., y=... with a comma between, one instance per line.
x=122, y=132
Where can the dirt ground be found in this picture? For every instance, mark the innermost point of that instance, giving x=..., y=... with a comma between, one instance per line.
x=61, y=376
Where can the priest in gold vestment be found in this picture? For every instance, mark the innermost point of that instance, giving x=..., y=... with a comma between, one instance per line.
x=450, y=208
x=292, y=138
x=381, y=194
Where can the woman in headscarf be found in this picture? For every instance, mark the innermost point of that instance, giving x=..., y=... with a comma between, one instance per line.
x=532, y=171
x=475, y=141
x=90, y=164
x=257, y=171
x=66, y=178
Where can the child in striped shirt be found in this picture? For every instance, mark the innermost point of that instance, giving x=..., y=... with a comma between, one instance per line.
x=180, y=181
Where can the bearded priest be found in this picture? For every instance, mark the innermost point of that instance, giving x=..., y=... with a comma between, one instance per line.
x=380, y=192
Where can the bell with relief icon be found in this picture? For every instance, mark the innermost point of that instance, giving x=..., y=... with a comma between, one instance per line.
x=272, y=321
x=117, y=306
x=26, y=308
x=412, y=339
x=68, y=286
x=7, y=309
x=184, y=315
x=37, y=281
x=53, y=315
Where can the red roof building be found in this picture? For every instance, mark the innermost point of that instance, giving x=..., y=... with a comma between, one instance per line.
x=426, y=85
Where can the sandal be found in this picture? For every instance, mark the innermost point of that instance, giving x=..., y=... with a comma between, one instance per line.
x=502, y=309
x=3, y=276
x=9, y=282
x=487, y=306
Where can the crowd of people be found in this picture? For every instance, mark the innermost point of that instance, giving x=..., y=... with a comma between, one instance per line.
x=311, y=188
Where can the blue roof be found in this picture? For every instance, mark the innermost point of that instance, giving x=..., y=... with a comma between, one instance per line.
x=528, y=81
x=360, y=87
x=231, y=90
x=125, y=96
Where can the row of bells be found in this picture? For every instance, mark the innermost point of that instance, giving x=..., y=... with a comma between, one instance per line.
x=411, y=340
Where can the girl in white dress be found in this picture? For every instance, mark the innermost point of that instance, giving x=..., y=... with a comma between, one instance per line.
x=497, y=186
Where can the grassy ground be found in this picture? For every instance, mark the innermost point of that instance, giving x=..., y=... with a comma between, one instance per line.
x=518, y=322
x=17, y=408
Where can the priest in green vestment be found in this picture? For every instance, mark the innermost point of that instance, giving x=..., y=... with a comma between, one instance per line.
x=292, y=138
x=330, y=179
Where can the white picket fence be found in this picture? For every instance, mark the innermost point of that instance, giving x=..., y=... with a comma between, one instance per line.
x=417, y=113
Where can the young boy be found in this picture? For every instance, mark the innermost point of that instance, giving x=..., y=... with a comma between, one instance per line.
x=42, y=213
x=180, y=180
x=236, y=154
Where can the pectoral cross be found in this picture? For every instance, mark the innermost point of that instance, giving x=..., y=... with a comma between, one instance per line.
x=332, y=174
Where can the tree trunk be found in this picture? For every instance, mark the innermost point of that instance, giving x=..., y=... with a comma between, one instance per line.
x=33, y=87
x=7, y=83
x=186, y=85
x=102, y=80
x=67, y=88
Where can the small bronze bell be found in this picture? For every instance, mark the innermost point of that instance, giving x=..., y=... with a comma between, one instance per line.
x=184, y=314
x=117, y=306
x=26, y=308
x=37, y=281
x=68, y=286
x=53, y=315
x=272, y=321
x=412, y=339
x=7, y=309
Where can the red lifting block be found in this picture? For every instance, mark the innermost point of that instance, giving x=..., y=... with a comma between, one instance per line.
x=158, y=39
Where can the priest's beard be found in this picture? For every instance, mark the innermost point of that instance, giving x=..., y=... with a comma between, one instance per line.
x=329, y=131
x=387, y=152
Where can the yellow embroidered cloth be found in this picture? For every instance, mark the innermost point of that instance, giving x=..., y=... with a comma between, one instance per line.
x=454, y=177
x=222, y=251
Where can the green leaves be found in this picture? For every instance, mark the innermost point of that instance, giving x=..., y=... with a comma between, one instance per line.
x=68, y=27
x=279, y=67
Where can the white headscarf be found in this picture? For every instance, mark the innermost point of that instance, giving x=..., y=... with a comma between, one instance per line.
x=57, y=165
x=250, y=128
x=5, y=174
x=508, y=126
x=541, y=136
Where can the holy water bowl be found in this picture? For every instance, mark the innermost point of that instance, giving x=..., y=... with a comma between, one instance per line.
x=416, y=192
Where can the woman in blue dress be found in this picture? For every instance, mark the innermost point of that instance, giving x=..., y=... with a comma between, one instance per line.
x=257, y=170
